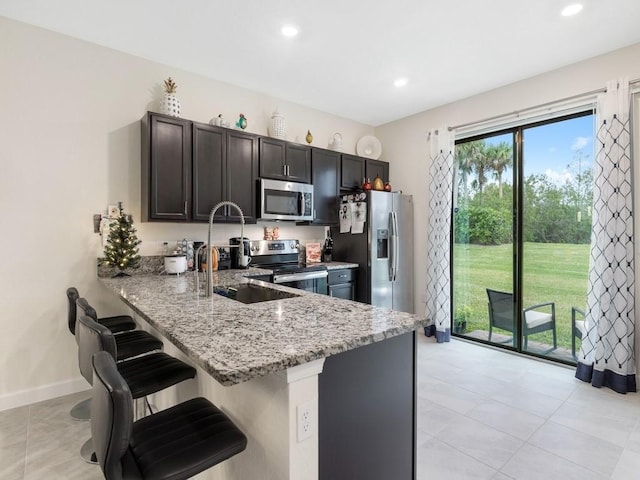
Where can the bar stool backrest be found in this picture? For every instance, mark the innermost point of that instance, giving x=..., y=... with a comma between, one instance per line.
x=72, y=297
x=92, y=338
x=112, y=420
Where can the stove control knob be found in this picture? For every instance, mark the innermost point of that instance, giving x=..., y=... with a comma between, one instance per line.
x=295, y=245
x=254, y=248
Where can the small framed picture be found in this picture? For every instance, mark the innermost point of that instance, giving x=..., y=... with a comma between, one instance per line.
x=113, y=211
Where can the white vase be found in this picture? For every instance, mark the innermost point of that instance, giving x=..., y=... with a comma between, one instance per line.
x=278, y=125
x=170, y=105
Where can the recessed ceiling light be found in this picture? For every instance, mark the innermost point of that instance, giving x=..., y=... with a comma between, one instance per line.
x=571, y=9
x=400, y=82
x=289, y=31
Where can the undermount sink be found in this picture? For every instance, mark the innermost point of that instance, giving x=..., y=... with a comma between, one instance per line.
x=249, y=293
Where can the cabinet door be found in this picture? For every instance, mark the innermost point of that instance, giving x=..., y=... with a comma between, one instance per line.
x=272, y=159
x=351, y=172
x=169, y=168
x=343, y=290
x=326, y=185
x=377, y=168
x=298, y=161
x=242, y=168
x=209, y=155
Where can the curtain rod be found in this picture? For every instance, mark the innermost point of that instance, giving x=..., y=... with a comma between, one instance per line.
x=543, y=105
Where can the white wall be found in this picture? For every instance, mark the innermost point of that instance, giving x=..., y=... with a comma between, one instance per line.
x=69, y=146
x=405, y=141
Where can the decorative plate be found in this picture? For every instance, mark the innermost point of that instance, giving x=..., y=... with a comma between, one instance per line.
x=369, y=147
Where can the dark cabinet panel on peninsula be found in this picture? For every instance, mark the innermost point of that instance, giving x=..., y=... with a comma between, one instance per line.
x=342, y=283
x=166, y=168
x=325, y=176
x=281, y=160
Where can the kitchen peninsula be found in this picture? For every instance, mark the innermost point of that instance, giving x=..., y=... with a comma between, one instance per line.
x=348, y=365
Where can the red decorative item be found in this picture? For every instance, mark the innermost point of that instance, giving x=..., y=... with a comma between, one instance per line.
x=387, y=187
x=367, y=184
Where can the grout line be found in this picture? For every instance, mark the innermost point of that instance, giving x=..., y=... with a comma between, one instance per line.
x=26, y=443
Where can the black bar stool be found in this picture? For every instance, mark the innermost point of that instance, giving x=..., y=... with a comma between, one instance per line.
x=145, y=374
x=120, y=323
x=174, y=444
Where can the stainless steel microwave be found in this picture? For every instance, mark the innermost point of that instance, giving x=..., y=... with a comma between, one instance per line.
x=280, y=200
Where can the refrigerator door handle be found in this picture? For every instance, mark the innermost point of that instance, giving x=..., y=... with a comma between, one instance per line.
x=393, y=246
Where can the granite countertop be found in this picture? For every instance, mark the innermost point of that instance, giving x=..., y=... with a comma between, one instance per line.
x=235, y=342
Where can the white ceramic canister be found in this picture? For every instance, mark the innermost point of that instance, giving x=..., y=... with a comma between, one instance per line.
x=175, y=264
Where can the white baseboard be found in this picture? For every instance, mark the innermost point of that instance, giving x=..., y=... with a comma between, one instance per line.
x=44, y=392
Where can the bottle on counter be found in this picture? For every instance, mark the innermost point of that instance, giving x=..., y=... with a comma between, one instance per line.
x=327, y=251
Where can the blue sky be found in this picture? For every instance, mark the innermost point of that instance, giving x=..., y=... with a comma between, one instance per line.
x=553, y=148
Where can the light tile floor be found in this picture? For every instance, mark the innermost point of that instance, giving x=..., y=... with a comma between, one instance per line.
x=489, y=414
x=482, y=414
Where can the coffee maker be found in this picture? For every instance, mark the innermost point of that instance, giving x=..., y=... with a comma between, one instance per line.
x=236, y=253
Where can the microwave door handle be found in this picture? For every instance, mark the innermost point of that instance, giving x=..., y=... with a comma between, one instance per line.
x=301, y=203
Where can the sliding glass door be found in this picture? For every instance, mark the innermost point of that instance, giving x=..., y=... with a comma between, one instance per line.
x=521, y=231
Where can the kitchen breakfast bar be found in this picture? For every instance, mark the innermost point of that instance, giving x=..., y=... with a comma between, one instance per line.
x=322, y=387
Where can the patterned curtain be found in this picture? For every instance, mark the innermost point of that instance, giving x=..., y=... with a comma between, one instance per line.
x=607, y=352
x=438, y=281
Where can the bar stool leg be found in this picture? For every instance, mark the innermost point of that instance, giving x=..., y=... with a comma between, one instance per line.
x=87, y=453
x=81, y=410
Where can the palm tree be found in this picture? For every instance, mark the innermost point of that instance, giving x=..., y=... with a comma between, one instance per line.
x=500, y=158
x=464, y=163
x=480, y=163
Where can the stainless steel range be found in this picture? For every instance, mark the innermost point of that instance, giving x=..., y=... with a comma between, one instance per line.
x=281, y=256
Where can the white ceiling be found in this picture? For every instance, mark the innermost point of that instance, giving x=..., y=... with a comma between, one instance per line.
x=349, y=52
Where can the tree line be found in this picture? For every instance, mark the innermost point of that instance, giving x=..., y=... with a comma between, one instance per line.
x=483, y=198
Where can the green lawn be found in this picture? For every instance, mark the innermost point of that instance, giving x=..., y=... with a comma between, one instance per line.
x=552, y=273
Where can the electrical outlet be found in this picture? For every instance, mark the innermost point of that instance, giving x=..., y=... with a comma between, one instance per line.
x=306, y=421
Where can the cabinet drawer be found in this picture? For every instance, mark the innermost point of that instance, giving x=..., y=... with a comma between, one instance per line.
x=342, y=276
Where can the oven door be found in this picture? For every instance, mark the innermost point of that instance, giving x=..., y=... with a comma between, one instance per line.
x=315, y=282
x=285, y=200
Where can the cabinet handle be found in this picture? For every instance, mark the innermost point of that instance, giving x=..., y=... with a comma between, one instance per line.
x=284, y=170
x=185, y=208
x=342, y=276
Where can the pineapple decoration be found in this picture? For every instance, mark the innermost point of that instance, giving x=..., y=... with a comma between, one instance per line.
x=170, y=105
x=122, y=245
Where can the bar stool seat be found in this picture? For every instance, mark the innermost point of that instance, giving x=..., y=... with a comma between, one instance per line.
x=129, y=344
x=174, y=444
x=118, y=323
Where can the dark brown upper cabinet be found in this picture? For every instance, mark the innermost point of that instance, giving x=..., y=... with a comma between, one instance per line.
x=189, y=167
x=166, y=168
x=281, y=160
x=325, y=176
x=376, y=168
x=351, y=172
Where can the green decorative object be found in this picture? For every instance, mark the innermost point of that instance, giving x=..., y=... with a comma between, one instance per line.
x=121, y=250
x=242, y=122
x=309, y=137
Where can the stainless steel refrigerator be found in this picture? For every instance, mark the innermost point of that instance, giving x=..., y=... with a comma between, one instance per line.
x=384, y=251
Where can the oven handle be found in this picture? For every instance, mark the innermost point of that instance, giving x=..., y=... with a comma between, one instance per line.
x=294, y=277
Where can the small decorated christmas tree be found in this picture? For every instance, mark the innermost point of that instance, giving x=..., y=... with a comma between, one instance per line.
x=122, y=245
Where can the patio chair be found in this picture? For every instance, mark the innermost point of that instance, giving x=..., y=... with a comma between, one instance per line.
x=534, y=321
x=578, y=328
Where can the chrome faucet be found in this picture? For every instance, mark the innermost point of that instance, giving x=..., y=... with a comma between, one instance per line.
x=209, y=262
x=196, y=256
